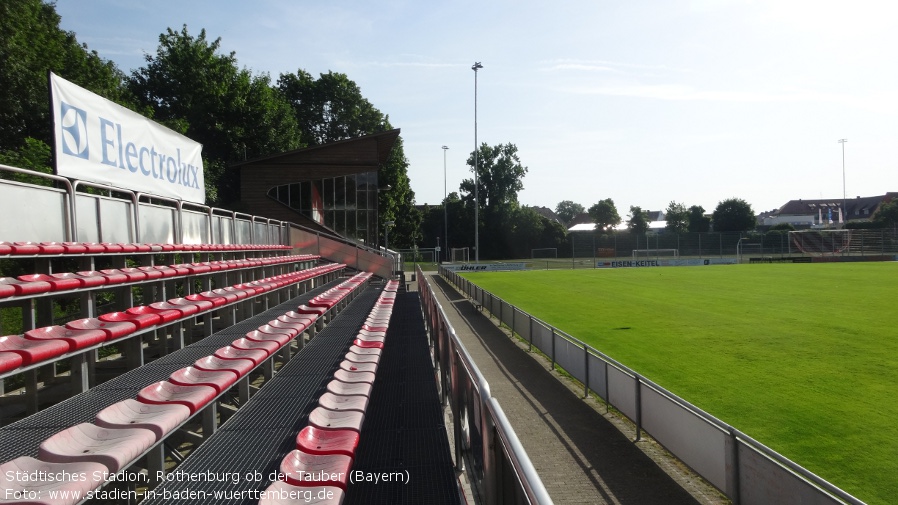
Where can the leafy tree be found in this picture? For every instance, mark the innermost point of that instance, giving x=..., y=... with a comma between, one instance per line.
x=639, y=220
x=887, y=214
x=677, y=217
x=194, y=89
x=330, y=108
x=698, y=222
x=605, y=215
x=31, y=44
x=567, y=210
x=782, y=227
x=500, y=175
x=733, y=214
x=34, y=155
x=398, y=202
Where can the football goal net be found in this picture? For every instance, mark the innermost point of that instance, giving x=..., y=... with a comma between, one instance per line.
x=460, y=255
x=544, y=253
x=651, y=254
x=821, y=242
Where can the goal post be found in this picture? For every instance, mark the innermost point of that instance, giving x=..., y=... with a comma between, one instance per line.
x=655, y=253
x=460, y=255
x=544, y=253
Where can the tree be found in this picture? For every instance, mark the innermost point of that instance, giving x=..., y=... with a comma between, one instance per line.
x=639, y=220
x=887, y=214
x=330, y=108
x=605, y=215
x=677, y=217
x=698, y=222
x=568, y=210
x=194, y=89
x=31, y=44
x=733, y=214
x=500, y=175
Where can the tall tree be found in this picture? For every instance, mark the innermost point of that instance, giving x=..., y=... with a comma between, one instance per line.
x=331, y=107
x=31, y=44
x=567, y=210
x=698, y=222
x=887, y=214
x=677, y=217
x=195, y=89
x=733, y=214
x=639, y=220
x=605, y=215
x=500, y=177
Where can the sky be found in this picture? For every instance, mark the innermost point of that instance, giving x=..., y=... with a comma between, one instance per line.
x=644, y=102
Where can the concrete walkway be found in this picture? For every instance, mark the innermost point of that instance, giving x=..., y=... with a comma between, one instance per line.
x=582, y=454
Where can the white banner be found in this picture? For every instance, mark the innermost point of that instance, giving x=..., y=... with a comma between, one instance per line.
x=692, y=262
x=484, y=267
x=100, y=141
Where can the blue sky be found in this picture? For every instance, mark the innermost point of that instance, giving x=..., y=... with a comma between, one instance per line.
x=640, y=101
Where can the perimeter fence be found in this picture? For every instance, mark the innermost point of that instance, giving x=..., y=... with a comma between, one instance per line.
x=486, y=446
x=771, y=244
x=745, y=470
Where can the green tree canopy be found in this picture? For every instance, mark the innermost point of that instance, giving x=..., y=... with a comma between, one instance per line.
x=500, y=175
x=330, y=108
x=605, y=215
x=677, y=217
x=567, y=210
x=194, y=89
x=31, y=44
x=639, y=220
x=733, y=214
x=698, y=222
x=887, y=214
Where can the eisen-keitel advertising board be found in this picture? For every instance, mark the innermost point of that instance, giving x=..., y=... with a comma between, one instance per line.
x=100, y=141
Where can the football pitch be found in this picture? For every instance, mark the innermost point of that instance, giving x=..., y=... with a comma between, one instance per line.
x=802, y=357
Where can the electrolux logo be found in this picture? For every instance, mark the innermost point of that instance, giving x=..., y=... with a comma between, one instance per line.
x=74, y=131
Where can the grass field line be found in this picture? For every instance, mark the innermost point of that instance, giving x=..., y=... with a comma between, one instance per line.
x=803, y=358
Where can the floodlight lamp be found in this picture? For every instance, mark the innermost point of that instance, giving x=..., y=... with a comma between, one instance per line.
x=476, y=66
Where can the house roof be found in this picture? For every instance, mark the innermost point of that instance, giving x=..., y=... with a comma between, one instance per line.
x=855, y=208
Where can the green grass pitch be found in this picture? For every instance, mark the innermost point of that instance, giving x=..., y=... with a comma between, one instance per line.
x=802, y=357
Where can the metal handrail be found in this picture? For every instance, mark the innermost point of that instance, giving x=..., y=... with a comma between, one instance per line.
x=493, y=417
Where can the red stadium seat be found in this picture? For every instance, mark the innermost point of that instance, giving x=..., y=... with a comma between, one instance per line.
x=161, y=419
x=113, y=448
x=307, y=470
x=76, y=339
x=315, y=440
x=193, y=397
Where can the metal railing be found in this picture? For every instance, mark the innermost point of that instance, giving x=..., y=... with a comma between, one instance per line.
x=486, y=446
x=745, y=470
x=40, y=213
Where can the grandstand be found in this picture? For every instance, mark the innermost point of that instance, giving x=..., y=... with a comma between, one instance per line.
x=159, y=348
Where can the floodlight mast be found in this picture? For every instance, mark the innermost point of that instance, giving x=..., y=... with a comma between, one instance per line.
x=844, y=192
x=445, y=196
x=476, y=67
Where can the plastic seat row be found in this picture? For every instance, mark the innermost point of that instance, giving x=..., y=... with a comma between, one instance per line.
x=125, y=430
x=34, y=284
x=75, y=248
x=44, y=344
x=325, y=448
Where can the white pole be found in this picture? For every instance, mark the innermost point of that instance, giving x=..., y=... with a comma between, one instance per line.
x=445, y=212
x=475, y=67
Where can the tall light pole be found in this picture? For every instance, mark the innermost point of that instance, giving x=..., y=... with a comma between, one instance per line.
x=476, y=67
x=445, y=196
x=844, y=192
